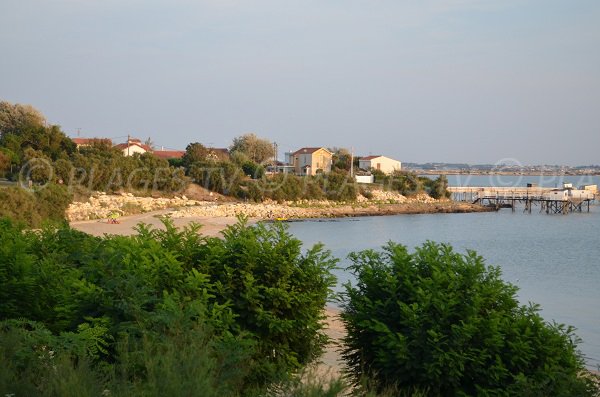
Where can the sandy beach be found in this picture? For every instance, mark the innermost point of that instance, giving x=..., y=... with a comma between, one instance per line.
x=211, y=226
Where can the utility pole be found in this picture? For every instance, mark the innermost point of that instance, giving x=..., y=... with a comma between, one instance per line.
x=351, y=162
x=275, y=148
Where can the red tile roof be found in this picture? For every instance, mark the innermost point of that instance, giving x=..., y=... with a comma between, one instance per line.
x=132, y=143
x=169, y=154
x=370, y=157
x=89, y=141
x=306, y=150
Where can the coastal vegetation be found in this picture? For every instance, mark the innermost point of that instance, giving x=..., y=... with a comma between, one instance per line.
x=447, y=324
x=30, y=150
x=167, y=312
x=36, y=156
x=158, y=313
x=36, y=206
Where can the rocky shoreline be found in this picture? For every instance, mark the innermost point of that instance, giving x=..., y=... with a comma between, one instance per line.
x=102, y=205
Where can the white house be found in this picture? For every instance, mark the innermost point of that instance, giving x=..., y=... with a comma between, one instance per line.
x=133, y=146
x=381, y=163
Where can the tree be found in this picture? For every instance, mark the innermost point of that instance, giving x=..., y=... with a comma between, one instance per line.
x=445, y=322
x=439, y=188
x=16, y=117
x=194, y=152
x=342, y=159
x=256, y=149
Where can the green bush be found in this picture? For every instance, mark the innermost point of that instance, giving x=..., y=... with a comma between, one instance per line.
x=223, y=177
x=112, y=300
x=276, y=293
x=339, y=186
x=437, y=188
x=444, y=321
x=33, y=208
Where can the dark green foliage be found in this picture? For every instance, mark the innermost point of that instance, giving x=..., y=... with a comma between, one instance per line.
x=253, y=170
x=339, y=186
x=44, y=204
x=106, y=169
x=444, y=321
x=218, y=176
x=194, y=152
x=405, y=183
x=274, y=290
x=140, y=308
x=29, y=150
x=437, y=188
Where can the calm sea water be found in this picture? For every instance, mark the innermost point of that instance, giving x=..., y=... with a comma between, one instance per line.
x=521, y=181
x=553, y=259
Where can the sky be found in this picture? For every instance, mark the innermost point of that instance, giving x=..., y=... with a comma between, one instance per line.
x=514, y=81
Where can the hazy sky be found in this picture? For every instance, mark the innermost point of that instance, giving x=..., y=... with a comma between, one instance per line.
x=420, y=80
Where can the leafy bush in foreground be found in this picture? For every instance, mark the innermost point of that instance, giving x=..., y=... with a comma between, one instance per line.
x=127, y=307
x=442, y=321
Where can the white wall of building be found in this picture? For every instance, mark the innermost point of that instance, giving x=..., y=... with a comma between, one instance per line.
x=132, y=150
x=382, y=163
x=364, y=178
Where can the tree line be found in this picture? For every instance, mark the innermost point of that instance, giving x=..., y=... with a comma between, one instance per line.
x=37, y=155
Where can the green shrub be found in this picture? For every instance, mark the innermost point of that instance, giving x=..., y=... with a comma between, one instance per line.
x=52, y=201
x=32, y=208
x=444, y=321
x=437, y=188
x=253, y=170
x=339, y=186
x=257, y=296
x=223, y=177
x=276, y=293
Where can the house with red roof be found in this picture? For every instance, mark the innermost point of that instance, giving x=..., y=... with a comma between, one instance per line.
x=133, y=146
x=381, y=163
x=311, y=160
x=168, y=154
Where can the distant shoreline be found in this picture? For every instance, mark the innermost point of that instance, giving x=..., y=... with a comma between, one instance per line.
x=492, y=173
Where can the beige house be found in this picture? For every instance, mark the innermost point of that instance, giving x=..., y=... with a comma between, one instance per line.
x=381, y=163
x=312, y=161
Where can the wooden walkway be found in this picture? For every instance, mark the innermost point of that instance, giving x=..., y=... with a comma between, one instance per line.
x=510, y=197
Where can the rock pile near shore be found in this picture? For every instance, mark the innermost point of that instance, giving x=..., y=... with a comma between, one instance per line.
x=101, y=205
x=261, y=211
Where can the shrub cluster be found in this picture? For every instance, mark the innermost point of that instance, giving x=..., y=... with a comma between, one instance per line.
x=35, y=207
x=443, y=322
x=408, y=183
x=236, y=313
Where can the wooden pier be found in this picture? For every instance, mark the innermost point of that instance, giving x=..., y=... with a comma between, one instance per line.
x=510, y=197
